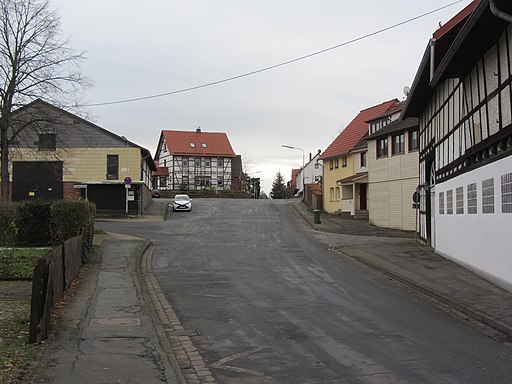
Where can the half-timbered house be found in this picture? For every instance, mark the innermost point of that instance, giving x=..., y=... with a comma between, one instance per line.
x=194, y=160
x=462, y=96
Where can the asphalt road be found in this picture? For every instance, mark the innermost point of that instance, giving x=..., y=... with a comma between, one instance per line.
x=273, y=304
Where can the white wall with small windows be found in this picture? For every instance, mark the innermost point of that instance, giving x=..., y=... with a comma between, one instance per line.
x=473, y=220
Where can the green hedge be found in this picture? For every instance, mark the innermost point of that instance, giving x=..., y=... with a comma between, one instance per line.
x=46, y=223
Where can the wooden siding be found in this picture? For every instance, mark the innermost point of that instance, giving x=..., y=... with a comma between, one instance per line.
x=391, y=182
x=88, y=164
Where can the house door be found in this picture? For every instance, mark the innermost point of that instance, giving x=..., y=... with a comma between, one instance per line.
x=430, y=203
x=362, y=196
x=37, y=180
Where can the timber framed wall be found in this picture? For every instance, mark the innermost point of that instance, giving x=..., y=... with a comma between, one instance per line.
x=465, y=165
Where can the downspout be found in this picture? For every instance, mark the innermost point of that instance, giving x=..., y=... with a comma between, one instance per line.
x=499, y=13
x=432, y=57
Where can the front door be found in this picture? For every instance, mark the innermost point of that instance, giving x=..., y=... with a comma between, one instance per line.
x=362, y=196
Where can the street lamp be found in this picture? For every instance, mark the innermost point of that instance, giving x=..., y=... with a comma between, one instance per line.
x=302, y=171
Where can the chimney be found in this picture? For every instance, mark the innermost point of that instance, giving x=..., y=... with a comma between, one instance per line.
x=198, y=130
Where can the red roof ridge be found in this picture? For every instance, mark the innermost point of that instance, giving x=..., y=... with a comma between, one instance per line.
x=356, y=130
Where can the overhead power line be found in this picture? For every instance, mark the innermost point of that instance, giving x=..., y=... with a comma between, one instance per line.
x=225, y=80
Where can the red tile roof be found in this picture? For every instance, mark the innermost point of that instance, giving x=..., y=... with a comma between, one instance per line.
x=198, y=143
x=356, y=130
x=454, y=21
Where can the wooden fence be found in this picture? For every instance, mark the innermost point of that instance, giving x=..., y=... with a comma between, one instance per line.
x=52, y=277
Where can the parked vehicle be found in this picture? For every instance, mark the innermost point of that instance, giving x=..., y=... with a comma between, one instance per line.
x=155, y=193
x=181, y=203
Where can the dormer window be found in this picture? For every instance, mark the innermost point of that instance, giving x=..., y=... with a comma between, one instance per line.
x=192, y=145
x=203, y=145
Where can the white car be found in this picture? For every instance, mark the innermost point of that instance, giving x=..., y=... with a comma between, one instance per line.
x=181, y=203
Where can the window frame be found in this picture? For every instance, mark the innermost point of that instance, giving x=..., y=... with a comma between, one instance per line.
x=414, y=142
x=382, y=150
x=47, y=142
x=112, y=167
x=398, y=146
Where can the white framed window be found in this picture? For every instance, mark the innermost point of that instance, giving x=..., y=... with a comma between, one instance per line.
x=459, y=201
x=338, y=193
x=506, y=193
x=449, y=202
x=441, y=203
x=472, y=199
x=331, y=193
x=488, y=196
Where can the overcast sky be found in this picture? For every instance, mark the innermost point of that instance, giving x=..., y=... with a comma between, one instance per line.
x=136, y=49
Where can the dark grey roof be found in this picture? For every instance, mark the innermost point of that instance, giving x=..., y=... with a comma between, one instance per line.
x=396, y=126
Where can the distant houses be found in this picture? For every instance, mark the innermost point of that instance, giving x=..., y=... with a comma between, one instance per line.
x=195, y=160
x=345, y=172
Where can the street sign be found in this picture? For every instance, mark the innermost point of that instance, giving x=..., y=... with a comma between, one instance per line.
x=127, y=180
x=79, y=186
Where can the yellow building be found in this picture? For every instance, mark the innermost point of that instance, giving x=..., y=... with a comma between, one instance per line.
x=56, y=155
x=345, y=174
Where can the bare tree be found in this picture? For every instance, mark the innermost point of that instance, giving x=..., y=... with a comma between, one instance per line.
x=35, y=63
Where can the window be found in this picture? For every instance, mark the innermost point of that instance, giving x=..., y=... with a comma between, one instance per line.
x=203, y=181
x=192, y=145
x=488, y=196
x=459, y=201
x=331, y=164
x=398, y=144
x=204, y=145
x=506, y=193
x=441, y=203
x=112, y=167
x=449, y=202
x=382, y=147
x=317, y=179
x=165, y=162
x=197, y=162
x=184, y=182
x=220, y=181
x=185, y=161
x=331, y=194
x=162, y=181
x=472, y=199
x=344, y=161
x=220, y=163
x=363, y=159
x=47, y=142
x=207, y=162
x=336, y=163
x=338, y=193
x=414, y=143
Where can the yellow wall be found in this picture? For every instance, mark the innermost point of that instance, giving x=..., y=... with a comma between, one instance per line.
x=86, y=164
x=330, y=178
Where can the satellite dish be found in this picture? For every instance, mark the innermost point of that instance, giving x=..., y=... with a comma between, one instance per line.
x=406, y=90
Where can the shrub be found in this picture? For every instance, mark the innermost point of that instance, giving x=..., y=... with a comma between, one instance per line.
x=8, y=225
x=33, y=222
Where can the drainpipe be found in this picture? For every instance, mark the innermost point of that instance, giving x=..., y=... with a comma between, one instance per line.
x=499, y=13
x=432, y=57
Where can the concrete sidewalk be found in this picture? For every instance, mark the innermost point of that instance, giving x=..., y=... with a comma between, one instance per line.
x=106, y=333
x=401, y=258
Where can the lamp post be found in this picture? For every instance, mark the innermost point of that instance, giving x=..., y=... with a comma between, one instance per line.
x=302, y=171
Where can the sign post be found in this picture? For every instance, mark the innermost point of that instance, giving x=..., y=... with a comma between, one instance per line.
x=127, y=182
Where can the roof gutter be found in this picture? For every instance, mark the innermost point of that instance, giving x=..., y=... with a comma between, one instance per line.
x=432, y=57
x=499, y=13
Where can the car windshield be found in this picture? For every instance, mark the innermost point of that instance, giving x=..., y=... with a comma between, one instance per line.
x=181, y=198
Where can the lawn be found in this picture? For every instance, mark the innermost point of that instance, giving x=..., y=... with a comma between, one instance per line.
x=19, y=263
x=16, y=355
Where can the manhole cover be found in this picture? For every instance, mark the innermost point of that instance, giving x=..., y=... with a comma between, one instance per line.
x=117, y=322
